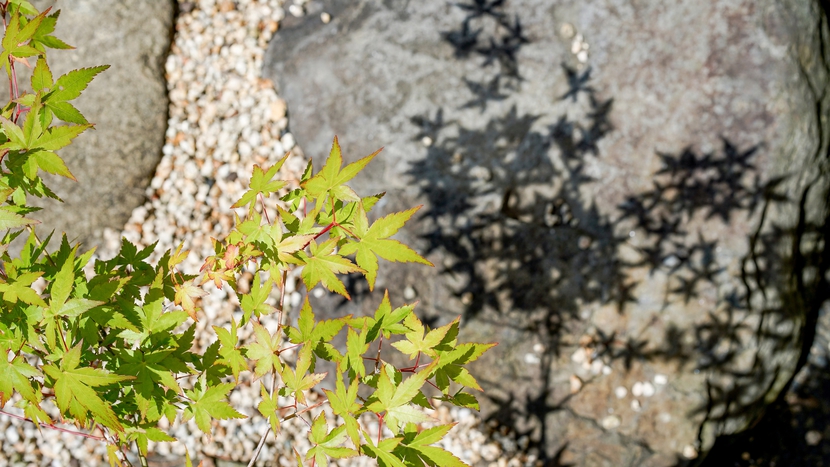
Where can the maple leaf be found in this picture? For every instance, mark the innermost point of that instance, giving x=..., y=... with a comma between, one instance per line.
x=269, y=409
x=374, y=242
x=262, y=183
x=209, y=402
x=177, y=257
x=418, y=445
x=395, y=400
x=327, y=444
x=386, y=321
x=416, y=342
x=265, y=351
x=73, y=389
x=356, y=346
x=39, y=144
x=65, y=89
x=231, y=356
x=299, y=380
x=16, y=40
x=9, y=219
x=186, y=295
x=452, y=357
x=309, y=331
x=382, y=451
x=344, y=404
x=330, y=179
x=14, y=375
x=19, y=288
x=43, y=36
x=322, y=264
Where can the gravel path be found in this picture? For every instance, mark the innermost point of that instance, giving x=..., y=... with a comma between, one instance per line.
x=224, y=118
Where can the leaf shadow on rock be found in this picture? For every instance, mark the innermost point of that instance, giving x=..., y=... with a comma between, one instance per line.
x=526, y=248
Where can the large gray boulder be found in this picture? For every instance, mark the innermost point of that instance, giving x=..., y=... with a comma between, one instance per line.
x=127, y=103
x=631, y=198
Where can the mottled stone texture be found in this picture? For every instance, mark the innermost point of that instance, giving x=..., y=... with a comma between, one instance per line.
x=622, y=194
x=127, y=103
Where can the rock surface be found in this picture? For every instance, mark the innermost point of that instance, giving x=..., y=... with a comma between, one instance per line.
x=630, y=198
x=127, y=103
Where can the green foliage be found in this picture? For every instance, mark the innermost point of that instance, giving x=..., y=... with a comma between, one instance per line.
x=115, y=349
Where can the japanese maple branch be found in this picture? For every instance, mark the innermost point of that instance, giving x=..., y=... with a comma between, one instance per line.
x=54, y=427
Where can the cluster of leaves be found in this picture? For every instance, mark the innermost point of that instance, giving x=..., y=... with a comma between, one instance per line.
x=112, y=342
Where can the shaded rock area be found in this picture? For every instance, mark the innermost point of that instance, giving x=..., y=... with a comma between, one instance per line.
x=630, y=198
x=127, y=103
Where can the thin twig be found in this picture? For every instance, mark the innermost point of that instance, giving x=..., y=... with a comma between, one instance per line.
x=54, y=427
x=274, y=374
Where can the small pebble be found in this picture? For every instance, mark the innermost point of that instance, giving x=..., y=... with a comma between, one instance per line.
x=611, y=422
x=567, y=30
x=689, y=452
x=813, y=437
x=637, y=389
x=576, y=384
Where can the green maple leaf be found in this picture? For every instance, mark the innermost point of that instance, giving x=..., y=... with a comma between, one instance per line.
x=16, y=40
x=309, y=331
x=41, y=76
x=14, y=375
x=462, y=399
x=9, y=219
x=383, y=451
x=74, y=393
x=265, y=351
x=151, y=370
x=269, y=409
x=59, y=303
x=374, y=242
x=151, y=315
x=356, y=346
x=330, y=179
x=20, y=288
x=327, y=444
x=67, y=88
x=209, y=402
x=418, y=446
x=254, y=301
x=231, y=356
x=43, y=36
x=395, y=400
x=386, y=320
x=262, y=183
x=323, y=264
x=34, y=412
x=452, y=359
x=39, y=144
x=298, y=380
x=416, y=342
x=344, y=404
x=23, y=6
